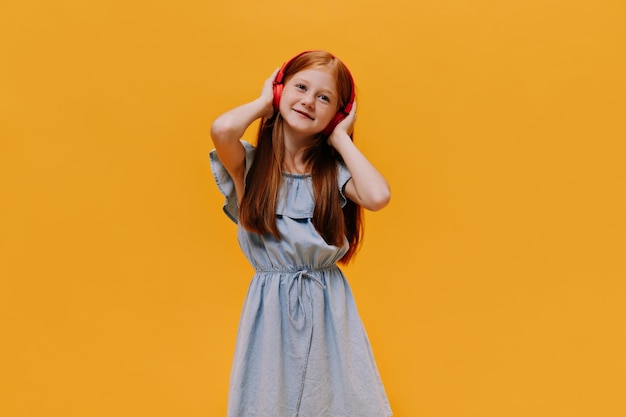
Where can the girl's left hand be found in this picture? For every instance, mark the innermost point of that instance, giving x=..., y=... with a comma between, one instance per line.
x=346, y=126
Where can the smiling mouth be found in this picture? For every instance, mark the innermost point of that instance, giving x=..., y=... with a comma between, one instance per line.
x=304, y=114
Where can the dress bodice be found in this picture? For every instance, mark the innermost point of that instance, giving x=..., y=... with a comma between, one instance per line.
x=300, y=246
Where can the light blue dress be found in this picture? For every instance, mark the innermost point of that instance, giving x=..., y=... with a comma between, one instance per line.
x=301, y=348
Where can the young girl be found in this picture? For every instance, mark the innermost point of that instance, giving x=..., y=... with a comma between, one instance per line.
x=297, y=197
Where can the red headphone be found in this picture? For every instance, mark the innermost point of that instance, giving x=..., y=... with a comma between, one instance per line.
x=278, y=85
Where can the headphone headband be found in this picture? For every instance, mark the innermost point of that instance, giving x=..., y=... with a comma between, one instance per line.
x=341, y=114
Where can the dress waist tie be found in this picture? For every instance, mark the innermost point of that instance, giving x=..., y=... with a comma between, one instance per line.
x=297, y=280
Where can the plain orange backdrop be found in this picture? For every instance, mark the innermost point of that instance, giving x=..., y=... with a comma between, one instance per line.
x=492, y=286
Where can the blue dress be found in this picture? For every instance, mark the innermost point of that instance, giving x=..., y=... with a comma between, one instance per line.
x=301, y=347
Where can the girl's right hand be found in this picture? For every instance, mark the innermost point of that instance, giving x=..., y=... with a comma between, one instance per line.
x=267, y=94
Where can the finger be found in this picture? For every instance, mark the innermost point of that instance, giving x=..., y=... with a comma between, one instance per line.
x=353, y=109
x=273, y=76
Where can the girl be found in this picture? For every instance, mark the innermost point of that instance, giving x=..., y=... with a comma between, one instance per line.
x=297, y=198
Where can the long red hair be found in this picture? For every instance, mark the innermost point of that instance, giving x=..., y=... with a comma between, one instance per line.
x=258, y=205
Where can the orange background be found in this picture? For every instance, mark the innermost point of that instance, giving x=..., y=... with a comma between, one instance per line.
x=493, y=285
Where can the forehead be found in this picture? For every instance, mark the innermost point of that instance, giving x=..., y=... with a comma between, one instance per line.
x=319, y=77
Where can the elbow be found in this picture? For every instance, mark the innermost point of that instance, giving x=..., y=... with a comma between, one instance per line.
x=379, y=201
x=221, y=130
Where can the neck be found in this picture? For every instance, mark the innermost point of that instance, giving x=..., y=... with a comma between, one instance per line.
x=295, y=149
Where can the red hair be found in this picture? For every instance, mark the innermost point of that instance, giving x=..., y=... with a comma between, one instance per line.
x=257, y=212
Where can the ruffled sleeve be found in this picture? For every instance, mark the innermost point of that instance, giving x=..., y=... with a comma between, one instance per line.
x=225, y=182
x=343, y=176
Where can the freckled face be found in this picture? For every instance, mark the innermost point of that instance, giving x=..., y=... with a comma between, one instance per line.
x=309, y=101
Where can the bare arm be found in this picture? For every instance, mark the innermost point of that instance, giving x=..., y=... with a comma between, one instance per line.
x=228, y=129
x=368, y=187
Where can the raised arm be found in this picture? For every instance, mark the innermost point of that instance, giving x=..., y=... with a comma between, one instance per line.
x=368, y=187
x=228, y=129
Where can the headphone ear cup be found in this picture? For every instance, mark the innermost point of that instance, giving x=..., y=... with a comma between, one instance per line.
x=333, y=123
x=343, y=113
x=278, y=90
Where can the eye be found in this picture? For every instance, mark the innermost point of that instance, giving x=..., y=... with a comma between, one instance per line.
x=300, y=86
x=324, y=97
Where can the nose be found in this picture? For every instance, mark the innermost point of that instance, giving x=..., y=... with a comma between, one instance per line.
x=308, y=99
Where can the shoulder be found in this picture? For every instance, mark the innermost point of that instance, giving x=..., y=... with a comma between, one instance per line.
x=343, y=176
x=248, y=146
x=343, y=173
x=250, y=151
x=225, y=182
